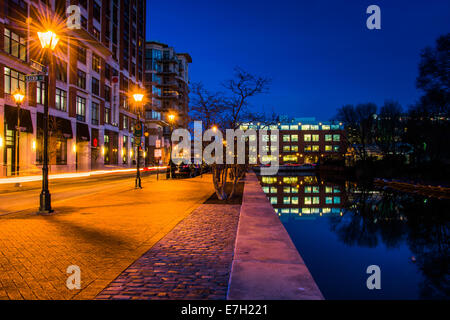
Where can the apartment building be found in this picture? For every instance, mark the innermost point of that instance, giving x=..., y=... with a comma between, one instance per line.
x=303, y=140
x=166, y=81
x=91, y=73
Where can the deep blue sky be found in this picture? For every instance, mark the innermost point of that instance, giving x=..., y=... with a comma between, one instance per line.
x=319, y=54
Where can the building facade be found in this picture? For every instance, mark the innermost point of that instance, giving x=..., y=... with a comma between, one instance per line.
x=91, y=72
x=303, y=140
x=167, y=84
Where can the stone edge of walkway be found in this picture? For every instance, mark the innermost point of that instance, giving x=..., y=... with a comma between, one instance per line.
x=266, y=264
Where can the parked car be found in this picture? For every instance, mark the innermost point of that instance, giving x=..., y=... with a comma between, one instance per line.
x=187, y=171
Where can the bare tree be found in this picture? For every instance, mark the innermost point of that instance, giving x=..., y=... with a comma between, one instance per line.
x=239, y=91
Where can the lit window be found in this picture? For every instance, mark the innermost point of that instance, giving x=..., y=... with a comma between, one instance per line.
x=284, y=127
x=315, y=189
x=294, y=127
x=328, y=189
x=269, y=180
x=337, y=199
x=286, y=200
x=286, y=148
x=307, y=137
x=294, y=148
x=336, y=137
x=287, y=189
x=328, y=200
x=316, y=200
x=306, y=127
x=315, y=148
x=336, y=148
x=325, y=127
x=290, y=179
x=294, y=137
x=273, y=200
x=286, y=138
x=294, y=200
x=328, y=148
x=308, y=200
x=328, y=137
x=308, y=189
x=315, y=137
x=266, y=189
x=273, y=189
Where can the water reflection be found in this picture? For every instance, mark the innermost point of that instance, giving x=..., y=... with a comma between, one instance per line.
x=364, y=217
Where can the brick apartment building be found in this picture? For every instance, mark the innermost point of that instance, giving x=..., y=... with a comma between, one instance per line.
x=93, y=69
x=166, y=80
x=304, y=140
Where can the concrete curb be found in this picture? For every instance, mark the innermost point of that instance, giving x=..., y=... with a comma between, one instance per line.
x=266, y=264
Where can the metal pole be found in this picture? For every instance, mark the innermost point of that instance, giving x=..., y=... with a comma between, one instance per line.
x=45, y=197
x=16, y=169
x=138, y=173
x=170, y=154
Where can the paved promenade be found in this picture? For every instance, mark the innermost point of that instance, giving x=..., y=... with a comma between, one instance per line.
x=266, y=264
x=193, y=261
x=102, y=226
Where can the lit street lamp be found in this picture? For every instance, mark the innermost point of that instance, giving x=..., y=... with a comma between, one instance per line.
x=138, y=136
x=18, y=98
x=171, y=118
x=48, y=40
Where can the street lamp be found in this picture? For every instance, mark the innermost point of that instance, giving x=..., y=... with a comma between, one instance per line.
x=138, y=97
x=48, y=40
x=18, y=96
x=171, y=118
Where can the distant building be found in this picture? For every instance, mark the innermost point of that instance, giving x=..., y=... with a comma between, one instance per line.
x=166, y=81
x=304, y=140
x=91, y=119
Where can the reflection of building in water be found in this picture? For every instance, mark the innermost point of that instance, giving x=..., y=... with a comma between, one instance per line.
x=303, y=195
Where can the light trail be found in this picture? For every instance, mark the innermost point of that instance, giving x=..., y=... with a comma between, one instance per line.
x=76, y=175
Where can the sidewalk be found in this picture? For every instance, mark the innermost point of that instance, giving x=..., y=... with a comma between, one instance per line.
x=103, y=233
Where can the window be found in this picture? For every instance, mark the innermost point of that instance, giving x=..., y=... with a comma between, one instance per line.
x=290, y=158
x=284, y=127
x=328, y=137
x=125, y=122
x=107, y=93
x=97, y=11
x=286, y=138
x=314, y=127
x=95, y=113
x=96, y=63
x=81, y=108
x=290, y=179
x=96, y=33
x=315, y=137
x=95, y=86
x=40, y=92
x=294, y=127
x=286, y=148
x=315, y=189
x=328, y=200
x=315, y=148
x=273, y=200
x=325, y=127
x=308, y=189
x=60, y=100
x=308, y=200
x=81, y=80
x=15, y=45
x=286, y=189
x=316, y=200
x=125, y=150
x=328, y=148
x=307, y=137
x=286, y=200
x=61, y=151
x=336, y=148
x=294, y=137
x=294, y=148
x=273, y=190
x=81, y=54
x=266, y=189
x=336, y=137
x=294, y=200
x=269, y=180
x=14, y=80
x=306, y=127
x=61, y=71
x=107, y=115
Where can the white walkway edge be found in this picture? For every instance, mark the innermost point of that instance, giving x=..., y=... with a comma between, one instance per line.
x=266, y=264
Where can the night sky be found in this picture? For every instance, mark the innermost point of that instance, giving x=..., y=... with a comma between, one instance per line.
x=319, y=54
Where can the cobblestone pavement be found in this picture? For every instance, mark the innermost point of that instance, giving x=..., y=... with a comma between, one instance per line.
x=193, y=261
x=103, y=233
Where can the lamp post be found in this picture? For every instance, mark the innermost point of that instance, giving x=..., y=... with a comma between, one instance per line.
x=48, y=40
x=138, y=131
x=18, y=98
x=171, y=118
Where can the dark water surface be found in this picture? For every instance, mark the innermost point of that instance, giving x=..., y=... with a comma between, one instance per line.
x=340, y=228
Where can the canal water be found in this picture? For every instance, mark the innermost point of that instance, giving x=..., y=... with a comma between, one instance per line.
x=341, y=228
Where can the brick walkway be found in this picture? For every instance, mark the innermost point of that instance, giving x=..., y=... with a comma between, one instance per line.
x=193, y=261
x=103, y=233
